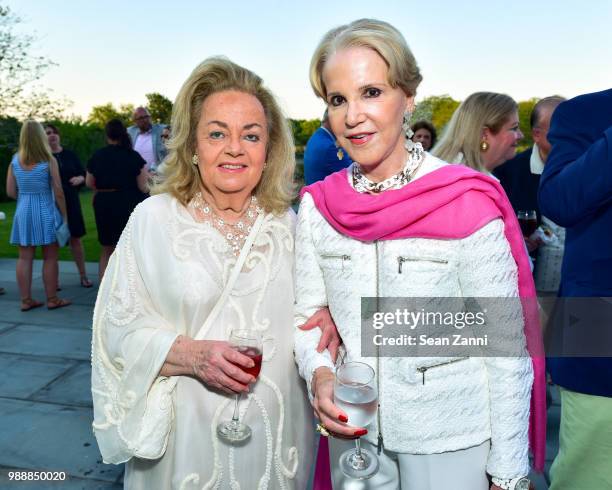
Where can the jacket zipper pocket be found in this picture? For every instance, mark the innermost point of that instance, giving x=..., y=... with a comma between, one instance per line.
x=424, y=369
x=337, y=256
x=401, y=260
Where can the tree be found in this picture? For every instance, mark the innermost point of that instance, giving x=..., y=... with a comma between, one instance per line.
x=525, y=107
x=160, y=107
x=101, y=114
x=438, y=109
x=19, y=70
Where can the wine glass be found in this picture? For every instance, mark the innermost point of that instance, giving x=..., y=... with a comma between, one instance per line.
x=355, y=392
x=528, y=221
x=248, y=343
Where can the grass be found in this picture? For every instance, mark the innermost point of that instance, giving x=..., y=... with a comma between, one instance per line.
x=90, y=240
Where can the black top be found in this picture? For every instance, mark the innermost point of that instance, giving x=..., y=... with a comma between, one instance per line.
x=70, y=166
x=115, y=167
x=520, y=184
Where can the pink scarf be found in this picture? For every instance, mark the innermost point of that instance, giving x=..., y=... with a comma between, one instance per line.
x=451, y=202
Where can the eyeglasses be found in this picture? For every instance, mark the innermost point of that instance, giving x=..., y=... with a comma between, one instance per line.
x=142, y=118
x=164, y=136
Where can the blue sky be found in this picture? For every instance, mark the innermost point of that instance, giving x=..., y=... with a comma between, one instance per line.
x=116, y=51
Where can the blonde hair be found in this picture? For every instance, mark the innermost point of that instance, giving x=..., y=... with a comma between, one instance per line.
x=276, y=188
x=463, y=133
x=33, y=144
x=374, y=34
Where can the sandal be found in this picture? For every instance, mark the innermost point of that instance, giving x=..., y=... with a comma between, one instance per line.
x=28, y=304
x=85, y=282
x=54, y=303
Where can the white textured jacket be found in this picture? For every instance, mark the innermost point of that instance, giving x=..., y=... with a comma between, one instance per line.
x=461, y=404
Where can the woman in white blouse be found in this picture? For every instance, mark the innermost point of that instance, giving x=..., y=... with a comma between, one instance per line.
x=163, y=373
x=402, y=223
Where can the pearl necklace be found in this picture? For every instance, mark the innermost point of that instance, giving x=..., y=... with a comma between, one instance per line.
x=235, y=234
x=362, y=184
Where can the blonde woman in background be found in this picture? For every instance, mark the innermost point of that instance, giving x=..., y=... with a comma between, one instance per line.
x=33, y=179
x=483, y=132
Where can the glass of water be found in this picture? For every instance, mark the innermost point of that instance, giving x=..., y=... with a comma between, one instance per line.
x=356, y=393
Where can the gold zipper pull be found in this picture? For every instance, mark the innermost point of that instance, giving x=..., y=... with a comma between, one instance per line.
x=422, y=371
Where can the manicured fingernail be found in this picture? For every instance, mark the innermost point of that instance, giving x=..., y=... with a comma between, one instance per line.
x=343, y=418
x=361, y=432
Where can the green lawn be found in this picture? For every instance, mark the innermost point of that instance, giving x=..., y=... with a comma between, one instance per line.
x=90, y=240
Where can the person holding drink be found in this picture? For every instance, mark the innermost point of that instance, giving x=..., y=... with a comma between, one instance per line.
x=193, y=378
x=453, y=234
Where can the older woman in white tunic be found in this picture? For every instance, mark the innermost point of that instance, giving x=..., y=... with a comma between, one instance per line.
x=164, y=375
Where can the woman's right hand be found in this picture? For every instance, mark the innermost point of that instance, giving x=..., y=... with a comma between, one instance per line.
x=330, y=416
x=218, y=365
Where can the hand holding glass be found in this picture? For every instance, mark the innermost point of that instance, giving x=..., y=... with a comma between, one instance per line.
x=248, y=343
x=356, y=393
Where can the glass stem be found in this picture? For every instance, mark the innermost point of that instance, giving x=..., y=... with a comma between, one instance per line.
x=358, y=449
x=235, y=415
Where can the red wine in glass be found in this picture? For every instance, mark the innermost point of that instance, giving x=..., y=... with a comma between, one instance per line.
x=528, y=221
x=248, y=343
x=256, y=355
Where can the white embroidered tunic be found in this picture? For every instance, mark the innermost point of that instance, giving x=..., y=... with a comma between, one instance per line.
x=162, y=281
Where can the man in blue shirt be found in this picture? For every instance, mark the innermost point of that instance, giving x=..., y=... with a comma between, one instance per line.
x=322, y=157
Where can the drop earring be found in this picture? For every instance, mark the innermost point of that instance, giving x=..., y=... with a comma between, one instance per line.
x=195, y=160
x=339, y=153
x=484, y=146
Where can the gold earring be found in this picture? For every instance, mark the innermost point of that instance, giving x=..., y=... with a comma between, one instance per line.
x=339, y=153
x=484, y=146
x=195, y=160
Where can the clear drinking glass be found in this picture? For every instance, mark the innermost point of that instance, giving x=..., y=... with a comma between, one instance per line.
x=356, y=393
x=248, y=343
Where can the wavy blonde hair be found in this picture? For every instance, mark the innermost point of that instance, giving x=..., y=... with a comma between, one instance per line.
x=33, y=144
x=463, y=133
x=276, y=189
x=380, y=36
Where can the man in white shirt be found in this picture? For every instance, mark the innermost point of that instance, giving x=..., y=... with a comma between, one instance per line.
x=146, y=138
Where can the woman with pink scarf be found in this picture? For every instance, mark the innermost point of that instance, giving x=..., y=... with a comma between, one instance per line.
x=402, y=223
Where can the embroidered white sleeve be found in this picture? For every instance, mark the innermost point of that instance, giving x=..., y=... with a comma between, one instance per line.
x=310, y=296
x=130, y=342
x=488, y=270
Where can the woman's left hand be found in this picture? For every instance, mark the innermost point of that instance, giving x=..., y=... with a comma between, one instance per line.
x=330, y=338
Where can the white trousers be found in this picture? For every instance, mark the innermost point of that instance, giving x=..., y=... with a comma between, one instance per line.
x=458, y=470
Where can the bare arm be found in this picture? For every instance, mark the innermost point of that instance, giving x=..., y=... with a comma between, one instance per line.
x=56, y=183
x=90, y=181
x=11, y=184
x=143, y=180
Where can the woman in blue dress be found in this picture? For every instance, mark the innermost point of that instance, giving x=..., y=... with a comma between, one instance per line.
x=33, y=178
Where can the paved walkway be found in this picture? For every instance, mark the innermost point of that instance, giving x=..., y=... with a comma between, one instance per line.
x=45, y=399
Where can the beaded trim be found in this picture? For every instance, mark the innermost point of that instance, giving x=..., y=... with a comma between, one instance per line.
x=235, y=234
x=362, y=184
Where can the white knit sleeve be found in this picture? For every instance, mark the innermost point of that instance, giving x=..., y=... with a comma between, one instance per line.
x=487, y=269
x=310, y=295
